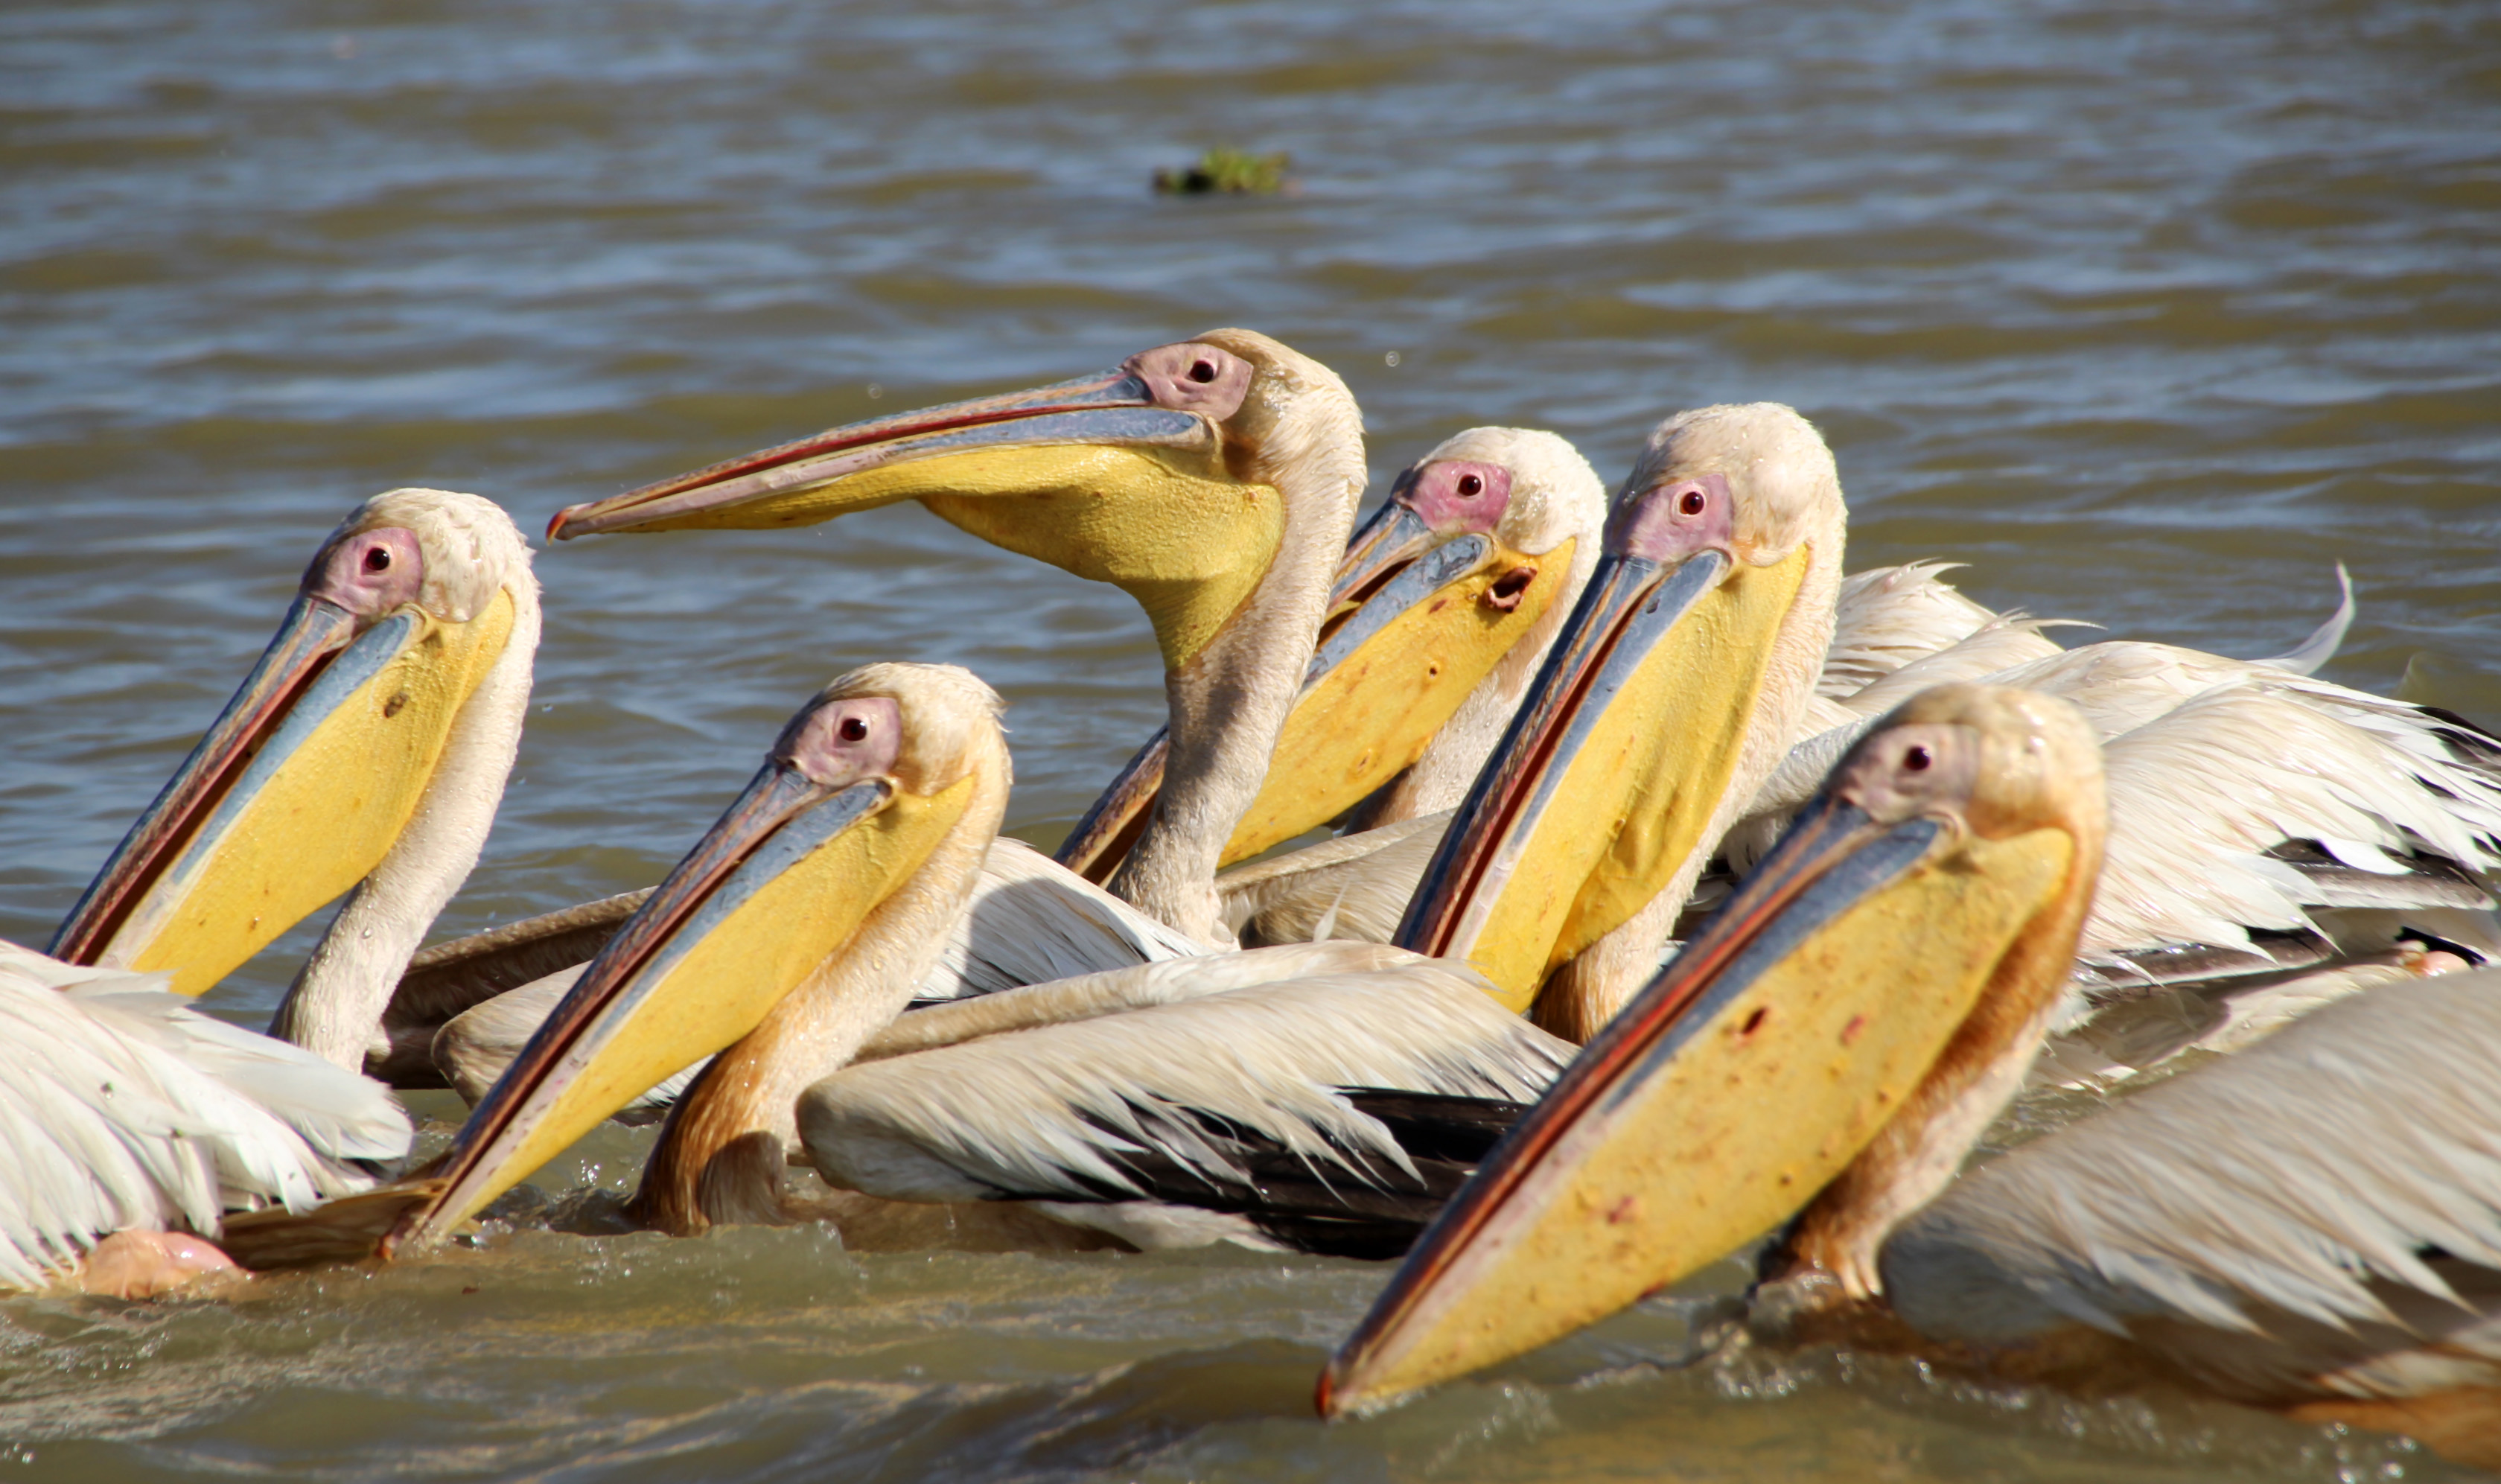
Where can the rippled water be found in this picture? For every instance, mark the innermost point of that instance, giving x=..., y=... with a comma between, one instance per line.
x=2149, y=313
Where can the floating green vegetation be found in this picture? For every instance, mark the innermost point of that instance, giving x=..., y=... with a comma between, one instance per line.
x=1228, y=172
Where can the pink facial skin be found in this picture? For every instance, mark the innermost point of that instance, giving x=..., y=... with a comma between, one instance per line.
x=842, y=742
x=1456, y=497
x=371, y=573
x=1668, y=522
x=1193, y=378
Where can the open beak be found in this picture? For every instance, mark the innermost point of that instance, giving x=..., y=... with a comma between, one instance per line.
x=1743, y=1078
x=770, y=894
x=1417, y=620
x=1089, y=475
x=1611, y=769
x=295, y=793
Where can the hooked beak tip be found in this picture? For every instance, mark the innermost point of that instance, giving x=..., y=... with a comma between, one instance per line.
x=555, y=531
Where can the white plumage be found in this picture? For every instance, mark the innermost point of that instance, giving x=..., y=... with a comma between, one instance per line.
x=1886, y=618
x=1032, y=920
x=1050, y=1110
x=123, y=1109
x=2322, y=1211
x=2197, y=795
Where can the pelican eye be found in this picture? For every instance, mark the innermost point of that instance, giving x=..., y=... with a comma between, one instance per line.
x=1202, y=371
x=1916, y=759
x=378, y=558
x=852, y=729
x=1470, y=486
x=1691, y=502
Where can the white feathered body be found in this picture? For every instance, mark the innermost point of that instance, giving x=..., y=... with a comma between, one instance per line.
x=2318, y=1216
x=123, y=1109
x=1117, y=1088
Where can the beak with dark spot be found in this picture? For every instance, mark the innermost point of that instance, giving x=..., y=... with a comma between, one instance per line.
x=770, y=892
x=1743, y=1078
x=295, y=794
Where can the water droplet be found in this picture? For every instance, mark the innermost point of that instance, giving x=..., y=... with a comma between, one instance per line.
x=1389, y=359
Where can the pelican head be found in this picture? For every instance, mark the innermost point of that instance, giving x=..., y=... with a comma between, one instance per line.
x=890, y=766
x=1453, y=587
x=318, y=766
x=1527, y=491
x=1669, y=689
x=1159, y=476
x=1858, y=992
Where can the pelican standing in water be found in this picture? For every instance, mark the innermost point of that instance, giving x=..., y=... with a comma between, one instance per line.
x=2303, y=1226
x=1173, y=1103
x=1668, y=702
x=366, y=751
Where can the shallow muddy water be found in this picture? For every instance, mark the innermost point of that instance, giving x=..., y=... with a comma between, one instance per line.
x=2150, y=314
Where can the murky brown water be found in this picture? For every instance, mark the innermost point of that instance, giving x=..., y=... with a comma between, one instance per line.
x=2149, y=313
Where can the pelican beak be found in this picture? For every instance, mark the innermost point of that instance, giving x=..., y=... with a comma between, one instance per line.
x=297, y=793
x=1096, y=476
x=770, y=893
x=1433, y=624
x=1742, y=1079
x=1613, y=767
x=1417, y=620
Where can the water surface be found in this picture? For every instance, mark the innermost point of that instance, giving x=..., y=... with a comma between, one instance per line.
x=2150, y=314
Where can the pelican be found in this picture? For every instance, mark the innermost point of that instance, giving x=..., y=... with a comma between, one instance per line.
x=1165, y=1104
x=2307, y=1227
x=2246, y=796
x=367, y=751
